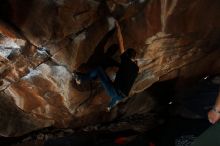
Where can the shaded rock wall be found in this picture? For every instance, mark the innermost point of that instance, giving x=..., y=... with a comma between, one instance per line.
x=43, y=41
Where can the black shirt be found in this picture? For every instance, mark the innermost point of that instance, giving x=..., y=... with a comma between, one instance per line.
x=126, y=75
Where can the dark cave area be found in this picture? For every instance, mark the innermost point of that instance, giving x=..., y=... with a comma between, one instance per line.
x=109, y=72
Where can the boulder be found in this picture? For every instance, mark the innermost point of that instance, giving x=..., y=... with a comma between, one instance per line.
x=43, y=41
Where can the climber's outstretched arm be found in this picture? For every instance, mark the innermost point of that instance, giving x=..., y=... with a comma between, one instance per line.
x=120, y=37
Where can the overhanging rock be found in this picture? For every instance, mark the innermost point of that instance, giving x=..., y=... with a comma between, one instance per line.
x=43, y=41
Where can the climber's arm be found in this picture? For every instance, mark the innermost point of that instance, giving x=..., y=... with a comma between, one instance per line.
x=120, y=37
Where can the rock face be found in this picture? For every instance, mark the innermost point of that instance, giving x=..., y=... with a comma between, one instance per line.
x=43, y=41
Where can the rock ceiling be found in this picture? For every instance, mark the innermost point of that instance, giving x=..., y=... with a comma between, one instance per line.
x=43, y=41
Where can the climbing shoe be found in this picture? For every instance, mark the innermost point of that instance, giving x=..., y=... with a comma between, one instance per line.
x=76, y=77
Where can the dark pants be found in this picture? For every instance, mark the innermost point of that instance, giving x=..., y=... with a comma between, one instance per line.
x=106, y=83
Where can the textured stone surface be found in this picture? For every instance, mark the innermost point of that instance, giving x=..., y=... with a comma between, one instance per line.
x=43, y=41
x=15, y=122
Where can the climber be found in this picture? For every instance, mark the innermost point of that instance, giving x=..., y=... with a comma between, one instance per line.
x=125, y=76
